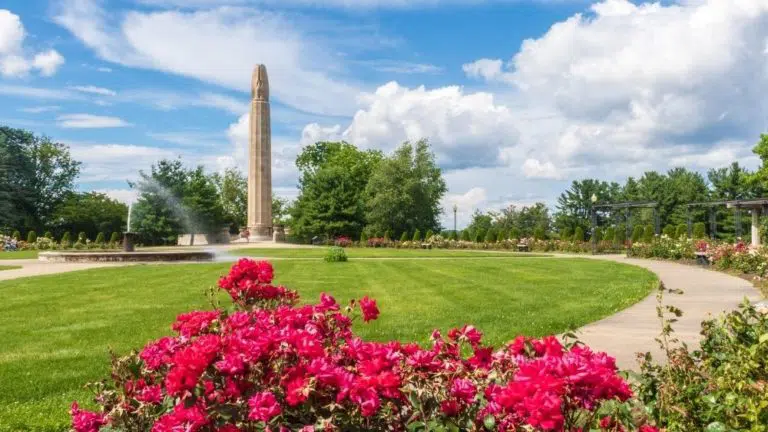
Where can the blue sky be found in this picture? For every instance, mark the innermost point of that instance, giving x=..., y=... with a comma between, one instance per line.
x=518, y=98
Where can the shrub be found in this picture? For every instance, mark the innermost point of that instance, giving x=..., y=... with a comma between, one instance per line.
x=699, y=230
x=490, y=236
x=48, y=235
x=681, y=231
x=115, y=238
x=342, y=241
x=388, y=234
x=514, y=233
x=82, y=238
x=31, y=236
x=465, y=235
x=453, y=236
x=539, y=233
x=404, y=237
x=500, y=236
x=336, y=254
x=637, y=234
x=723, y=386
x=66, y=239
x=429, y=235
x=417, y=235
x=597, y=235
x=578, y=234
x=566, y=234
x=621, y=235
x=272, y=365
x=669, y=231
x=99, y=238
x=480, y=235
x=363, y=239
x=648, y=234
x=16, y=235
x=610, y=234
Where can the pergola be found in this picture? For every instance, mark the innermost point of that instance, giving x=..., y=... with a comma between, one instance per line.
x=755, y=206
x=627, y=207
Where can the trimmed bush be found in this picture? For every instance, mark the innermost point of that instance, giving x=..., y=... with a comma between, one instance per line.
x=48, y=235
x=417, y=235
x=637, y=234
x=699, y=230
x=100, y=238
x=404, y=237
x=363, y=239
x=566, y=234
x=453, y=236
x=480, y=235
x=66, y=239
x=490, y=236
x=429, y=235
x=465, y=235
x=500, y=237
x=514, y=233
x=82, y=238
x=115, y=238
x=578, y=234
x=336, y=254
x=681, y=231
x=597, y=235
x=16, y=235
x=388, y=235
x=539, y=233
x=31, y=236
x=621, y=235
x=669, y=231
x=648, y=234
x=610, y=234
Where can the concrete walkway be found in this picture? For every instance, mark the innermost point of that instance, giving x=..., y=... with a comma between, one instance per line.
x=33, y=267
x=707, y=293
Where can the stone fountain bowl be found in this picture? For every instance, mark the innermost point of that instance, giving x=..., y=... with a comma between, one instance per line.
x=150, y=256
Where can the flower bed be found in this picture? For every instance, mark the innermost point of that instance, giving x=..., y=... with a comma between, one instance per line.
x=270, y=364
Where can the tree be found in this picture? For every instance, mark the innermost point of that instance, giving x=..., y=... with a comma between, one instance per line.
x=566, y=234
x=429, y=234
x=574, y=206
x=100, y=238
x=158, y=213
x=404, y=236
x=490, y=236
x=681, y=231
x=578, y=234
x=637, y=233
x=203, y=212
x=465, y=235
x=31, y=236
x=405, y=190
x=699, y=230
x=232, y=190
x=417, y=235
x=90, y=212
x=648, y=234
x=332, y=184
x=669, y=231
x=35, y=175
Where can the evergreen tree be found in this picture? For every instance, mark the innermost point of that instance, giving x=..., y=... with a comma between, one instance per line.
x=115, y=238
x=100, y=238
x=637, y=233
x=490, y=236
x=578, y=234
x=681, y=231
x=404, y=236
x=417, y=235
x=648, y=234
x=566, y=234
x=31, y=236
x=465, y=235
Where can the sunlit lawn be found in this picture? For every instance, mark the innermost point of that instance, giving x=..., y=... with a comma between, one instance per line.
x=56, y=330
x=8, y=268
x=319, y=252
x=25, y=254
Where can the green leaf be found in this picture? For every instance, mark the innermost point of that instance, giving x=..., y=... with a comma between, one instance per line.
x=489, y=422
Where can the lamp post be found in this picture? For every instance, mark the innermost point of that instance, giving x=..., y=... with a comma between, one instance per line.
x=455, y=209
x=593, y=214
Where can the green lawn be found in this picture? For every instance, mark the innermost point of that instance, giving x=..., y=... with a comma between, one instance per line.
x=8, y=267
x=25, y=254
x=319, y=252
x=57, y=329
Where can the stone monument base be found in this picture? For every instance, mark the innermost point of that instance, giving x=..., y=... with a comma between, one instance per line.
x=260, y=234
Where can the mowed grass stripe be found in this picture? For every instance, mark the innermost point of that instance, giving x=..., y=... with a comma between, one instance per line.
x=57, y=329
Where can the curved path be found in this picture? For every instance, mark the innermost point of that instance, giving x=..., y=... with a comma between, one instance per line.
x=705, y=293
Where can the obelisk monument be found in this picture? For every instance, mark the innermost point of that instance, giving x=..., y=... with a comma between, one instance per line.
x=260, y=160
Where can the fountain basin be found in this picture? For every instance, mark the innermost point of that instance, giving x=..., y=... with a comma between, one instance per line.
x=151, y=256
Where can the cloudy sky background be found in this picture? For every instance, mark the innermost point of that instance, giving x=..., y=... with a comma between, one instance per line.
x=518, y=97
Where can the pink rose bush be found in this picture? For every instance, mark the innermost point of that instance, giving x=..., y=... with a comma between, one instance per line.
x=274, y=365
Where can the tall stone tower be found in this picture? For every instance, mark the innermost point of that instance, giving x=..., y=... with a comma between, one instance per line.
x=260, y=159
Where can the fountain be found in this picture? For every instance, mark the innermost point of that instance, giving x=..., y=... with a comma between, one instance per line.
x=128, y=253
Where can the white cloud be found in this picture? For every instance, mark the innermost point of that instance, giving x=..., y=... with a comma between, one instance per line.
x=486, y=69
x=89, y=121
x=37, y=92
x=104, y=69
x=533, y=168
x=218, y=46
x=115, y=162
x=14, y=61
x=40, y=109
x=342, y=4
x=401, y=67
x=95, y=90
x=125, y=196
x=622, y=98
x=465, y=129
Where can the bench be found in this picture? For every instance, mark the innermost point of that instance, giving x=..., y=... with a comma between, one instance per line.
x=426, y=246
x=702, y=258
x=522, y=247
